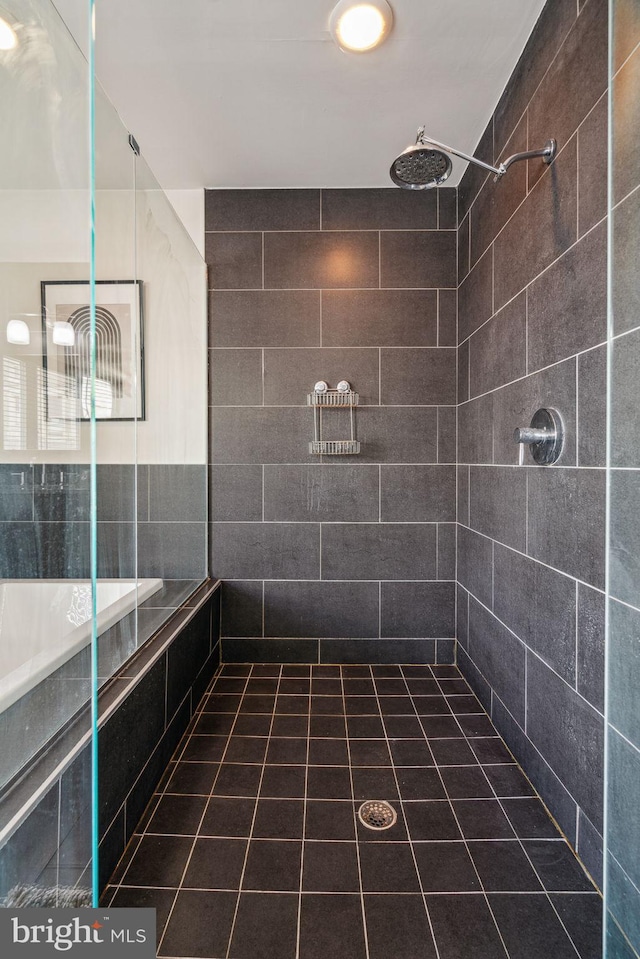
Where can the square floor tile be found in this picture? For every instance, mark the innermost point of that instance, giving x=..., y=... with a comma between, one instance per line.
x=177, y=816
x=329, y=820
x=445, y=867
x=411, y=752
x=252, y=725
x=372, y=783
x=287, y=752
x=397, y=706
x=200, y=925
x=446, y=672
x=419, y=783
x=235, y=669
x=491, y=750
x=508, y=781
x=475, y=725
x=296, y=670
x=329, y=782
x=398, y=928
x=326, y=687
x=192, y=779
x=530, y=819
x=388, y=867
x=417, y=672
x=235, y=780
x=389, y=670
x=328, y=752
x=582, y=917
x=246, y=749
x=267, y=669
x=158, y=861
x=266, y=927
x=452, y=752
x=432, y=706
x=330, y=867
x=258, y=704
x=482, y=819
x=283, y=782
x=358, y=686
x=326, y=706
x=403, y=727
x=272, y=866
x=279, y=819
x=530, y=927
x=328, y=727
x=292, y=705
x=294, y=687
x=213, y=724
x=159, y=899
x=431, y=820
x=466, y=782
x=331, y=926
x=361, y=706
x=503, y=866
x=259, y=686
x=216, y=864
x=223, y=703
x=463, y=705
x=557, y=866
x=228, y=817
x=290, y=726
x=464, y=928
x=440, y=727
x=229, y=684
x=369, y=752
x=423, y=687
x=390, y=687
x=328, y=672
x=204, y=749
x=454, y=687
x=365, y=727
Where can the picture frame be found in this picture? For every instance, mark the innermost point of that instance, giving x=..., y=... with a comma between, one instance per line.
x=120, y=387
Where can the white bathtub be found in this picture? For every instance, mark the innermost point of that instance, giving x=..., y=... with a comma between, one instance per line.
x=43, y=623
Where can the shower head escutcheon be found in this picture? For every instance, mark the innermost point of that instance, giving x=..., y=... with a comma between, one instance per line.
x=426, y=162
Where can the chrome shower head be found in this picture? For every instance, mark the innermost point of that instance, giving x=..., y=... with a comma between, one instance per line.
x=419, y=168
x=427, y=163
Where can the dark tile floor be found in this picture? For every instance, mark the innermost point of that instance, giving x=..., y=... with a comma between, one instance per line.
x=252, y=848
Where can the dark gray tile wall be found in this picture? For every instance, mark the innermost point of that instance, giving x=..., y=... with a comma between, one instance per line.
x=44, y=521
x=623, y=730
x=532, y=323
x=335, y=559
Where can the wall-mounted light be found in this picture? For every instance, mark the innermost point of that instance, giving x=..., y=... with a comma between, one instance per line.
x=18, y=333
x=360, y=26
x=63, y=334
x=8, y=37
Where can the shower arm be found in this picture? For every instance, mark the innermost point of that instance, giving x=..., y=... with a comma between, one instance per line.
x=547, y=153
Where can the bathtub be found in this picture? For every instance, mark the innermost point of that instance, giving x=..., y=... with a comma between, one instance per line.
x=43, y=623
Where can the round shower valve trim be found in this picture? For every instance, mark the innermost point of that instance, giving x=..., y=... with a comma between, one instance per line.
x=544, y=437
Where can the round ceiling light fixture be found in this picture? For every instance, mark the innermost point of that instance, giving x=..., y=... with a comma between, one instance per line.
x=8, y=37
x=360, y=26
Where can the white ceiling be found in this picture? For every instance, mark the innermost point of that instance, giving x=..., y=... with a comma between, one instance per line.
x=255, y=93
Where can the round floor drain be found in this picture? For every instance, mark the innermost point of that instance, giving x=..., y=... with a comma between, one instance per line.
x=377, y=814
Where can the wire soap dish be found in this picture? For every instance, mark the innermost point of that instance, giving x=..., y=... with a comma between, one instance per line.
x=323, y=398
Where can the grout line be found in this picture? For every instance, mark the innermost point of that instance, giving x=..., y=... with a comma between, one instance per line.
x=355, y=816
x=263, y=260
x=304, y=816
x=577, y=385
x=255, y=808
x=577, y=633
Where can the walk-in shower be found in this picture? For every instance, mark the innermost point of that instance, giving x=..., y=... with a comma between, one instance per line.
x=425, y=163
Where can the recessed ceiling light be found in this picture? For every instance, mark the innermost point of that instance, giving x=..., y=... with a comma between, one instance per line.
x=360, y=26
x=8, y=38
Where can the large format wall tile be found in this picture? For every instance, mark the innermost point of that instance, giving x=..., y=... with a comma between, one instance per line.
x=317, y=260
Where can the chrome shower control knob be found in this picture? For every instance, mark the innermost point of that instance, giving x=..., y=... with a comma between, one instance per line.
x=544, y=437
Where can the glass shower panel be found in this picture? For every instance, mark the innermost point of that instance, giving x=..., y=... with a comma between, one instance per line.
x=622, y=801
x=118, y=386
x=45, y=606
x=172, y=435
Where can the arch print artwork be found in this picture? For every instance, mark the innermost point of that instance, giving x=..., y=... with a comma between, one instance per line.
x=66, y=328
